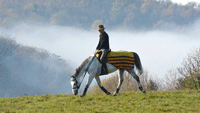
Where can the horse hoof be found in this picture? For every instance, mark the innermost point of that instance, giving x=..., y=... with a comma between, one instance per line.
x=82, y=95
x=115, y=94
x=144, y=91
x=108, y=93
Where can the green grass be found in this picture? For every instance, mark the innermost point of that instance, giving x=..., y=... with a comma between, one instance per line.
x=160, y=101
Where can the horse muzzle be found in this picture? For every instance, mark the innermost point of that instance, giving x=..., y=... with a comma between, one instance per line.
x=74, y=92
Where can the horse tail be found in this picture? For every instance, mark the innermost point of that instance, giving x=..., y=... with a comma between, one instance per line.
x=138, y=63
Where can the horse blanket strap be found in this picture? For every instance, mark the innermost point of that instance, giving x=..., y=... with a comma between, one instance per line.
x=121, y=59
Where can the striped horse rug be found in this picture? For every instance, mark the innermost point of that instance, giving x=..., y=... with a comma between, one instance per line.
x=121, y=59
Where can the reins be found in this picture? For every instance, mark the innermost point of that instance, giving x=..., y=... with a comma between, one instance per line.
x=87, y=70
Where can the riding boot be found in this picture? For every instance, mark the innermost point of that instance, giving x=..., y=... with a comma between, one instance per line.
x=103, y=60
x=104, y=69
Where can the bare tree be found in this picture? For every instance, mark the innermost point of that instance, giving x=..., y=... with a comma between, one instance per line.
x=185, y=76
x=191, y=65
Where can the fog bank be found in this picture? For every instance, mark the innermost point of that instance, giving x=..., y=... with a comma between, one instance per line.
x=159, y=50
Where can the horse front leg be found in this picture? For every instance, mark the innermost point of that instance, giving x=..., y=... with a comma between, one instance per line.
x=99, y=84
x=121, y=79
x=87, y=85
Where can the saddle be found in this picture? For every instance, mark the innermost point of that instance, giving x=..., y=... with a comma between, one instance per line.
x=119, y=59
x=104, y=69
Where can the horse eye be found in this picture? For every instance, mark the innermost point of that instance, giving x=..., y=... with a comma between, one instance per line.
x=72, y=79
x=74, y=82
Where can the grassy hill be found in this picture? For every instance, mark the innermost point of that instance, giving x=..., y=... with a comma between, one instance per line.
x=159, y=101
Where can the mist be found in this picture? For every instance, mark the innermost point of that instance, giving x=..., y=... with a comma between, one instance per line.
x=159, y=50
x=28, y=70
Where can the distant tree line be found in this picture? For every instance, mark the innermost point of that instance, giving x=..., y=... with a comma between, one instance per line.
x=150, y=14
x=31, y=71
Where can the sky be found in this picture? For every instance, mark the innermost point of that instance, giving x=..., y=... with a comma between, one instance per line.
x=183, y=2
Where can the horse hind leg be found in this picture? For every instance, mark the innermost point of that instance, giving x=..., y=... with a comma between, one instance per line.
x=121, y=79
x=133, y=74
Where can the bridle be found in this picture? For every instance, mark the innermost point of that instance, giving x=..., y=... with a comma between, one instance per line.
x=76, y=83
x=74, y=78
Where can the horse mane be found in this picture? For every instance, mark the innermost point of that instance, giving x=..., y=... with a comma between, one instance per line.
x=81, y=66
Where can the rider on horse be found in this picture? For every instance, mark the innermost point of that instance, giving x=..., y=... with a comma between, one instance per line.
x=120, y=60
x=103, y=46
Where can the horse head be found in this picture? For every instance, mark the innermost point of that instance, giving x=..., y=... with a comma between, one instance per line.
x=78, y=76
x=75, y=85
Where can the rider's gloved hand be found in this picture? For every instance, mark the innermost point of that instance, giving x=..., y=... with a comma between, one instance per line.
x=96, y=51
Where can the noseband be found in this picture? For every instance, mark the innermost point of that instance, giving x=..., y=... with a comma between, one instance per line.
x=77, y=84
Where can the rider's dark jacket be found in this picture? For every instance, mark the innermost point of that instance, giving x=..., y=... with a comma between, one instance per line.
x=103, y=41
